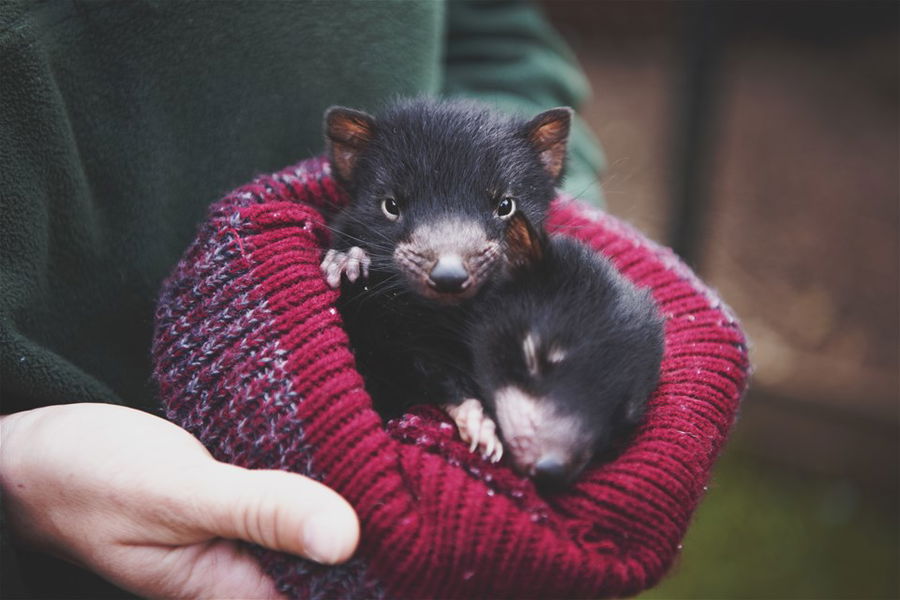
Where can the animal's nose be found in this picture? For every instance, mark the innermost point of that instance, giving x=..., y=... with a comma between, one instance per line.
x=449, y=274
x=550, y=472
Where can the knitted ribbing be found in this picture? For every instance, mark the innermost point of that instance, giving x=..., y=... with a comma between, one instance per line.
x=251, y=358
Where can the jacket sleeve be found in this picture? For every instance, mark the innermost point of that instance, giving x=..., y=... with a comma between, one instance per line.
x=504, y=52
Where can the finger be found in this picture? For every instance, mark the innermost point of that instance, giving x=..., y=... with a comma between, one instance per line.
x=498, y=454
x=355, y=261
x=488, y=447
x=327, y=261
x=352, y=268
x=281, y=511
x=225, y=570
x=214, y=569
x=473, y=424
x=488, y=432
x=334, y=275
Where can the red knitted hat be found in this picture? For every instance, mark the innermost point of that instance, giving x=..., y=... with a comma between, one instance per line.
x=251, y=358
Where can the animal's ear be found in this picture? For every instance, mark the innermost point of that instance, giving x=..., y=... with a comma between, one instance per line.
x=347, y=133
x=548, y=133
x=525, y=245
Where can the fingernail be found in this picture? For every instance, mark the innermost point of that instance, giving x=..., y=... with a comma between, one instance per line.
x=326, y=537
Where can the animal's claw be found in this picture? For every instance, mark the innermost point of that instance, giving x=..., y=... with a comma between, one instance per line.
x=476, y=428
x=352, y=263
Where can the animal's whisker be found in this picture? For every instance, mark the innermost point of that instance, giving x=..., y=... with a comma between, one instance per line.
x=362, y=241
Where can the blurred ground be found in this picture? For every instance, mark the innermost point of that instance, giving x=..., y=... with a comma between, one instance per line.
x=798, y=228
x=766, y=532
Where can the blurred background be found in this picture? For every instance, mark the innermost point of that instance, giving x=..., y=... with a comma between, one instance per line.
x=760, y=140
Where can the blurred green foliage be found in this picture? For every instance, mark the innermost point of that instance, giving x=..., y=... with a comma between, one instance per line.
x=764, y=532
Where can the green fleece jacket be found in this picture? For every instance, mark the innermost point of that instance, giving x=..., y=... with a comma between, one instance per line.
x=121, y=121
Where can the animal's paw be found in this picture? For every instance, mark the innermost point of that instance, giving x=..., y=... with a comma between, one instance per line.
x=352, y=263
x=476, y=428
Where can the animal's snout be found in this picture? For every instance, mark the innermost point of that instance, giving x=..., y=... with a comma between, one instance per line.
x=449, y=259
x=449, y=275
x=551, y=472
x=542, y=441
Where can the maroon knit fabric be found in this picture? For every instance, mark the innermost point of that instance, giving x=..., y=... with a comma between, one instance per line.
x=251, y=358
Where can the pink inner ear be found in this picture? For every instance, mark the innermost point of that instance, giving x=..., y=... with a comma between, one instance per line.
x=553, y=159
x=344, y=158
x=348, y=132
x=550, y=133
x=549, y=138
x=352, y=131
x=351, y=127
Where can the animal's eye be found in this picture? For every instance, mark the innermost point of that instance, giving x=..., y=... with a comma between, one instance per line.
x=505, y=208
x=390, y=208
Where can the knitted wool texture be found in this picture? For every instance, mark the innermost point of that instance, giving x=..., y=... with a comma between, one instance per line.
x=251, y=358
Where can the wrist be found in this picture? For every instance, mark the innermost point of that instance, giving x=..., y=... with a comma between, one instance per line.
x=14, y=431
x=37, y=475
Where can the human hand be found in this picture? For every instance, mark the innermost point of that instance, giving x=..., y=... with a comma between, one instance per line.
x=141, y=502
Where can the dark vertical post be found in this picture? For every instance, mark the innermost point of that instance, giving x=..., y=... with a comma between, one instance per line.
x=695, y=98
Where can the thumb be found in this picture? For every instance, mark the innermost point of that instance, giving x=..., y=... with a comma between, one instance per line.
x=280, y=511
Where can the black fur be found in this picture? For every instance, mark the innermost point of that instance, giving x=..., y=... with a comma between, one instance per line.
x=450, y=158
x=458, y=160
x=611, y=332
x=436, y=159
